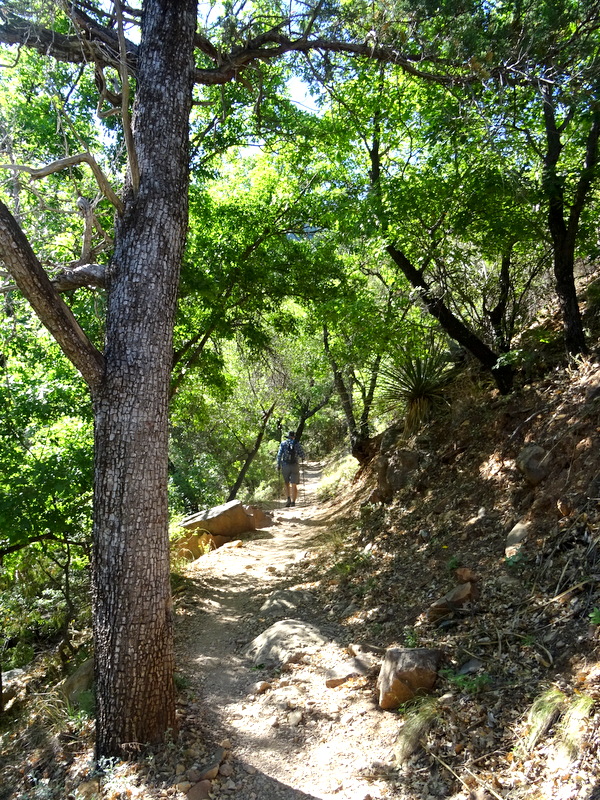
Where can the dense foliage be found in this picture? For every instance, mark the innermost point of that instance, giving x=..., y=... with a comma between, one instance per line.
x=441, y=186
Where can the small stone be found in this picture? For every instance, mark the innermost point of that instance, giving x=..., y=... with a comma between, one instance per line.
x=193, y=775
x=262, y=687
x=179, y=769
x=226, y=743
x=199, y=791
x=87, y=790
x=226, y=770
x=294, y=719
x=210, y=770
x=183, y=787
x=249, y=769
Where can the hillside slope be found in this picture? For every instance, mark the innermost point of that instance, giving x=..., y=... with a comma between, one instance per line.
x=519, y=691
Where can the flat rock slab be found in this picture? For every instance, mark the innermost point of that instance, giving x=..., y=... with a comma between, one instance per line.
x=283, y=641
x=286, y=600
x=228, y=519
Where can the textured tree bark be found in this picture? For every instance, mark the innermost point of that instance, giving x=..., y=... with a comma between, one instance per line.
x=132, y=606
x=565, y=227
x=453, y=326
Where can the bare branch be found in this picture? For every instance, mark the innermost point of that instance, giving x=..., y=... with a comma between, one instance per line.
x=125, y=115
x=69, y=161
x=85, y=275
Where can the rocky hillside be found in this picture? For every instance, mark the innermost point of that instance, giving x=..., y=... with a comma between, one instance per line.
x=489, y=550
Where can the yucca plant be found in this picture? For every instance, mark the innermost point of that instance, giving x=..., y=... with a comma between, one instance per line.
x=415, y=382
x=572, y=729
x=544, y=711
x=418, y=719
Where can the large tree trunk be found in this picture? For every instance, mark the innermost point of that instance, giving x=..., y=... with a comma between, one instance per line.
x=132, y=602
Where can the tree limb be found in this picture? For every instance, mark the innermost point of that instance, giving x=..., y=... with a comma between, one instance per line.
x=125, y=115
x=69, y=161
x=56, y=316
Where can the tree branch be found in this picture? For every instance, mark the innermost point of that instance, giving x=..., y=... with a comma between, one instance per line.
x=125, y=115
x=56, y=316
x=69, y=161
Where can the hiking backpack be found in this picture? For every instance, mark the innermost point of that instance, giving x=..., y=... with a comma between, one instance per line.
x=288, y=452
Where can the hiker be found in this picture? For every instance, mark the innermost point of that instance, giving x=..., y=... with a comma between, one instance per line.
x=288, y=457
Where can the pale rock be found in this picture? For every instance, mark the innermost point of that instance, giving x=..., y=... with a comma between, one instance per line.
x=283, y=641
x=226, y=743
x=226, y=770
x=249, y=769
x=179, y=769
x=351, y=669
x=260, y=519
x=183, y=787
x=210, y=770
x=516, y=538
x=406, y=673
x=294, y=718
x=87, y=790
x=80, y=681
x=215, y=527
x=465, y=575
x=286, y=600
x=262, y=687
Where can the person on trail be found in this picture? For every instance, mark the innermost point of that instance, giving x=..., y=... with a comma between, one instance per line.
x=288, y=463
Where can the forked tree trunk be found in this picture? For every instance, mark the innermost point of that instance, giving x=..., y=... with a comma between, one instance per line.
x=132, y=602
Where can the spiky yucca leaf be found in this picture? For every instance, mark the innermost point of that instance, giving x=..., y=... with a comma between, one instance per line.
x=415, y=382
x=543, y=712
x=572, y=728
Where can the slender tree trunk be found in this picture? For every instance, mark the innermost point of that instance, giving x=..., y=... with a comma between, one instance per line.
x=362, y=447
x=306, y=412
x=132, y=605
x=453, y=326
x=564, y=229
x=251, y=455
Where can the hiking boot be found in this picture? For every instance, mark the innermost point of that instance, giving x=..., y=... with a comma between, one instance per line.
x=289, y=503
x=293, y=503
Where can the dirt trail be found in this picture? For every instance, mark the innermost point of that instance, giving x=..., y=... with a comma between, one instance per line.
x=293, y=737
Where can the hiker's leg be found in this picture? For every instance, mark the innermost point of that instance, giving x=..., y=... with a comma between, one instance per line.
x=293, y=492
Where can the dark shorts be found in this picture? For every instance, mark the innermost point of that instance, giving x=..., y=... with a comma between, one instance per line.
x=291, y=473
